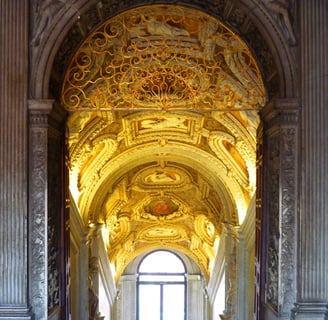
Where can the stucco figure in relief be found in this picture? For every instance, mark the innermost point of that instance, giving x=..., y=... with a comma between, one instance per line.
x=93, y=297
x=45, y=11
x=281, y=7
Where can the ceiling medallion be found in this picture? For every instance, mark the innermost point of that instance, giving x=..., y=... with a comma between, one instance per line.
x=163, y=58
x=163, y=207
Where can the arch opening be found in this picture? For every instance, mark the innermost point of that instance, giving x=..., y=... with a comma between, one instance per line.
x=163, y=103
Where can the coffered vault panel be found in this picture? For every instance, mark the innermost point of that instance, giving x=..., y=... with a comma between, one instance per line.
x=161, y=139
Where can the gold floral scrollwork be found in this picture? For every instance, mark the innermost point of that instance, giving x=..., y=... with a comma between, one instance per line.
x=171, y=58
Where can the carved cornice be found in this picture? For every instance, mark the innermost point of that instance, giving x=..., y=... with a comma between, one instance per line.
x=281, y=112
x=47, y=113
x=39, y=111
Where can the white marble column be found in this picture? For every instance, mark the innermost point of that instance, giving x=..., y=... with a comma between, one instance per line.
x=13, y=158
x=105, y=282
x=79, y=255
x=195, y=297
x=245, y=262
x=126, y=299
x=313, y=235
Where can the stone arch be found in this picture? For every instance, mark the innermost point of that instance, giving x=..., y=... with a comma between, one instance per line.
x=252, y=22
x=47, y=63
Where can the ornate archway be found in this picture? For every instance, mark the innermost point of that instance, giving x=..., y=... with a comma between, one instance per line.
x=108, y=129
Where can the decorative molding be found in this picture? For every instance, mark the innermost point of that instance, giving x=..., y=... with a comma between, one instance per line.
x=310, y=311
x=16, y=313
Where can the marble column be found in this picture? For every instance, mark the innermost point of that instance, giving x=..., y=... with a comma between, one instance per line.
x=126, y=298
x=313, y=235
x=231, y=235
x=105, y=283
x=195, y=297
x=79, y=256
x=14, y=27
x=280, y=206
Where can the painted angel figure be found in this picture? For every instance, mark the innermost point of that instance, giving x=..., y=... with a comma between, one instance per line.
x=281, y=7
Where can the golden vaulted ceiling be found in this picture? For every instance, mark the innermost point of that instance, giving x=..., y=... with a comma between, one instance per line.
x=163, y=105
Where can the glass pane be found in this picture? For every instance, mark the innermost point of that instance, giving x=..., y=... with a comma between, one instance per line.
x=149, y=302
x=173, y=302
x=162, y=278
x=161, y=261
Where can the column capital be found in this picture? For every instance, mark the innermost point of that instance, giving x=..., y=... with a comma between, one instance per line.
x=41, y=105
x=282, y=111
x=44, y=111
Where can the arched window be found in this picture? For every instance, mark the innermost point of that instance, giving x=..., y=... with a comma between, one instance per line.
x=161, y=287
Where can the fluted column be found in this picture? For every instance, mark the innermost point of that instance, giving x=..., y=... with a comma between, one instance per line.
x=280, y=186
x=313, y=235
x=13, y=158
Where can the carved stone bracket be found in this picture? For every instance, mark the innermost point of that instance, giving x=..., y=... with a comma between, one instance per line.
x=38, y=206
x=280, y=204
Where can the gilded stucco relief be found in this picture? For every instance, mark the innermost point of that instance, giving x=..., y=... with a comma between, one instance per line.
x=160, y=201
x=162, y=132
x=175, y=58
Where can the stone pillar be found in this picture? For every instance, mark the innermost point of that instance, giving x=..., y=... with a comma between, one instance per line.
x=38, y=206
x=79, y=257
x=126, y=298
x=14, y=302
x=313, y=235
x=105, y=282
x=231, y=234
x=245, y=263
x=195, y=297
x=280, y=191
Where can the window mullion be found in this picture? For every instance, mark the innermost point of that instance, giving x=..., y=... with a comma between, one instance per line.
x=161, y=303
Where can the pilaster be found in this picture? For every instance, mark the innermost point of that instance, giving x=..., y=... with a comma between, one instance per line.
x=39, y=111
x=195, y=294
x=106, y=286
x=313, y=236
x=79, y=256
x=126, y=306
x=245, y=263
x=280, y=207
x=231, y=234
x=14, y=302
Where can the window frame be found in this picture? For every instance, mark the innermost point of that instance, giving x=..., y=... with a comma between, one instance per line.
x=161, y=283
